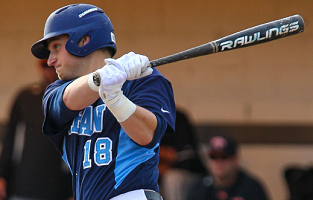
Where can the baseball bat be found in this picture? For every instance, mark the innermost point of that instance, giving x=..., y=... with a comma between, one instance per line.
x=252, y=36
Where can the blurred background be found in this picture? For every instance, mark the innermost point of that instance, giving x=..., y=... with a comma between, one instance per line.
x=261, y=95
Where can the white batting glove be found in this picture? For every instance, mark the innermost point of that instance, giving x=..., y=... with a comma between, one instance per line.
x=112, y=80
x=135, y=65
x=110, y=91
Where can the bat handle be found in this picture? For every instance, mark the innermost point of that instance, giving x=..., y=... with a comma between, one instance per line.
x=153, y=63
x=160, y=61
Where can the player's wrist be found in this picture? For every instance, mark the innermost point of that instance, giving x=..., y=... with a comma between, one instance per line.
x=120, y=106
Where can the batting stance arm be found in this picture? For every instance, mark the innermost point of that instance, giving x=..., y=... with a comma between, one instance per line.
x=78, y=95
x=140, y=126
x=139, y=123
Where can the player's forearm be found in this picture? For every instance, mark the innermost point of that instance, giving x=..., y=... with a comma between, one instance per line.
x=78, y=94
x=140, y=126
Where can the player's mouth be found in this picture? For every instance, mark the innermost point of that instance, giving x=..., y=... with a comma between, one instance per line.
x=57, y=69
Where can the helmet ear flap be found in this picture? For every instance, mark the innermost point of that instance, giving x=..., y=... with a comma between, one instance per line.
x=73, y=47
x=96, y=42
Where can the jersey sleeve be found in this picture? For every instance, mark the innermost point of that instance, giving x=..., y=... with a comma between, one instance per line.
x=155, y=94
x=57, y=117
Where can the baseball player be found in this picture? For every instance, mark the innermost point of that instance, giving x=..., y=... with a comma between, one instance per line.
x=107, y=133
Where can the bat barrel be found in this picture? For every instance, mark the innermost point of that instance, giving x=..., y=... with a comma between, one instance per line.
x=256, y=35
x=262, y=33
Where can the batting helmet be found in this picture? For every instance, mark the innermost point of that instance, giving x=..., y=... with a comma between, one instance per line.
x=77, y=21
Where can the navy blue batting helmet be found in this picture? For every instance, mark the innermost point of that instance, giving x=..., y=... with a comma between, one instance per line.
x=77, y=21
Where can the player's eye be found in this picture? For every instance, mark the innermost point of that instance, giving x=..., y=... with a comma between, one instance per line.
x=51, y=47
x=56, y=46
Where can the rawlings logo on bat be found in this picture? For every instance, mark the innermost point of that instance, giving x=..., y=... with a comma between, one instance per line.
x=262, y=33
x=259, y=36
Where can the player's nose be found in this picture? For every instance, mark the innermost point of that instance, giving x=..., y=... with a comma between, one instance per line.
x=51, y=60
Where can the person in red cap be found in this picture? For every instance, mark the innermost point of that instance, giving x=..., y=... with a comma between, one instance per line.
x=226, y=179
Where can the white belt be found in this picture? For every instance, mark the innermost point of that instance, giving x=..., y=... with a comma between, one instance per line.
x=140, y=194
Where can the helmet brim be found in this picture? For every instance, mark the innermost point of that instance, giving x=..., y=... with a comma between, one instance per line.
x=39, y=48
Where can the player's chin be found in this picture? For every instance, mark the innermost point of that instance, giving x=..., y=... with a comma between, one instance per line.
x=63, y=78
x=66, y=77
x=60, y=77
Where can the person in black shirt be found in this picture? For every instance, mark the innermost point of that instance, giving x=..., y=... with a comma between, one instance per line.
x=30, y=166
x=180, y=163
x=227, y=180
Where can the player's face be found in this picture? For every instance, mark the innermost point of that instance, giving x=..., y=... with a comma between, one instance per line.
x=223, y=167
x=66, y=65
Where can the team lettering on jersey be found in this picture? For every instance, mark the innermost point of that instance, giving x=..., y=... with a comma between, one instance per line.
x=88, y=121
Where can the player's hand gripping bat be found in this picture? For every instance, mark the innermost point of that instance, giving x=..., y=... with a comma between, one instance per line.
x=255, y=35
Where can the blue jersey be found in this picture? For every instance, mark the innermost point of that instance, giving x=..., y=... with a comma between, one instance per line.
x=103, y=160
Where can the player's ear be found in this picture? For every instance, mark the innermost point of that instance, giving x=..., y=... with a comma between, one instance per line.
x=84, y=40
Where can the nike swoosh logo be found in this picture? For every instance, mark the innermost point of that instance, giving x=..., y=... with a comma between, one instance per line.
x=165, y=111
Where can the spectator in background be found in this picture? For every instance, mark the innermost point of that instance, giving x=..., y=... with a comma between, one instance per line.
x=180, y=164
x=227, y=180
x=30, y=166
x=304, y=186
